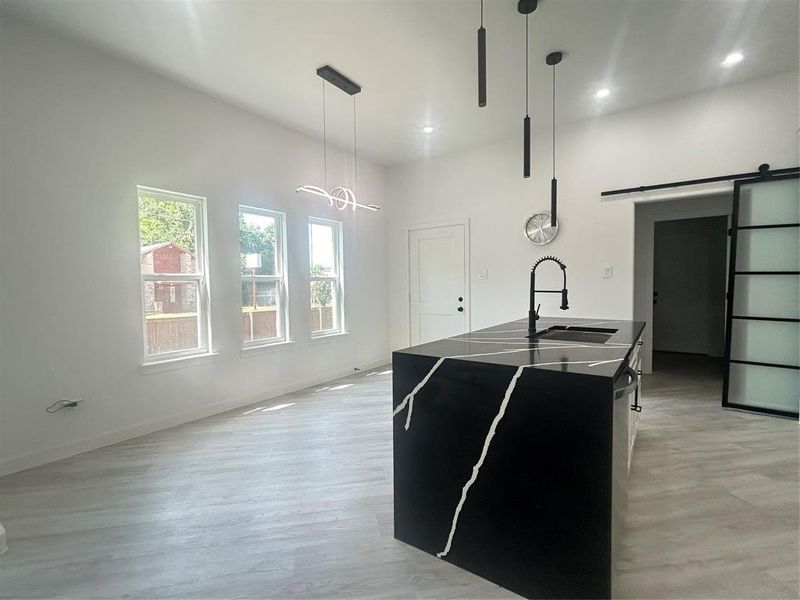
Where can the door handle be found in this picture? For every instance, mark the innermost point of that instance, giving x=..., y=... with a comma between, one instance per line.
x=633, y=383
x=460, y=309
x=460, y=299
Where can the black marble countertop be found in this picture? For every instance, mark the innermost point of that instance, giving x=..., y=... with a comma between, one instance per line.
x=508, y=345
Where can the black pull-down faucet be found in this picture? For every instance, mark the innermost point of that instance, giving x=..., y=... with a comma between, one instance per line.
x=533, y=313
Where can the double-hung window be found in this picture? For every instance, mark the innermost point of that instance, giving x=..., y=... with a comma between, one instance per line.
x=262, y=235
x=325, y=274
x=174, y=280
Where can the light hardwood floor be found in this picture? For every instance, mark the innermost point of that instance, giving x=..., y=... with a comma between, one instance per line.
x=297, y=502
x=713, y=494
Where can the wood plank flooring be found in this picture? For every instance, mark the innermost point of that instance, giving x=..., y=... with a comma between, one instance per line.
x=713, y=494
x=296, y=502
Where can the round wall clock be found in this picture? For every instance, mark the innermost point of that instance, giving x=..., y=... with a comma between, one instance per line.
x=538, y=229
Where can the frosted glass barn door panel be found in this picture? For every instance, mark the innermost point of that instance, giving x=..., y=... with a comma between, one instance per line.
x=769, y=203
x=765, y=341
x=768, y=249
x=763, y=387
x=767, y=296
x=762, y=350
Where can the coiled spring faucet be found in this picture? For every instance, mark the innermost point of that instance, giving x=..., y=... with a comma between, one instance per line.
x=533, y=313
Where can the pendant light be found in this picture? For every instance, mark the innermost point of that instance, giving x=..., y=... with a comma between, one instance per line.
x=481, y=62
x=526, y=7
x=340, y=197
x=553, y=59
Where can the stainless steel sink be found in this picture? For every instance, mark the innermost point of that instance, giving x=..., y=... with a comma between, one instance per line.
x=593, y=335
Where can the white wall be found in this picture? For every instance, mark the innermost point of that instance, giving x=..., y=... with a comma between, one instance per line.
x=79, y=130
x=730, y=130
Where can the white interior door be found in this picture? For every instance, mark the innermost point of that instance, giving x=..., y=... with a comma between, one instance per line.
x=439, y=276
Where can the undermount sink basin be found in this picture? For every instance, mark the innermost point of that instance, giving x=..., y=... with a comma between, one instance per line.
x=594, y=335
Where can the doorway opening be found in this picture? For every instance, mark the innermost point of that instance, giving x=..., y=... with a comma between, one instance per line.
x=689, y=275
x=680, y=282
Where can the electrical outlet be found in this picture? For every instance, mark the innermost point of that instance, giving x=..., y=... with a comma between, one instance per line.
x=608, y=272
x=483, y=274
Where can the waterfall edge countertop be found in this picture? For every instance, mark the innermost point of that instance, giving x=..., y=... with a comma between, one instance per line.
x=508, y=345
x=511, y=454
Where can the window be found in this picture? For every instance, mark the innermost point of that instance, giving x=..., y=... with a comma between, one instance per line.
x=172, y=258
x=263, y=265
x=327, y=291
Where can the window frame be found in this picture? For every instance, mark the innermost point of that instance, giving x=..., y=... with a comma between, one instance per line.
x=337, y=279
x=199, y=277
x=282, y=320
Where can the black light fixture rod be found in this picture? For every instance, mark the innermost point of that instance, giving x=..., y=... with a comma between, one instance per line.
x=526, y=7
x=526, y=123
x=553, y=59
x=554, y=121
x=526, y=147
x=554, y=181
x=481, y=62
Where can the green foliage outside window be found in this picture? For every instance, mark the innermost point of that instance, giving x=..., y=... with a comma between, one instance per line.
x=167, y=221
x=257, y=240
x=321, y=291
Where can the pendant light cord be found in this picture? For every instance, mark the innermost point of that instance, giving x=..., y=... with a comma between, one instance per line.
x=324, y=138
x=526, y=66
x=554, y=121
x=481, y=13
x=355, y=148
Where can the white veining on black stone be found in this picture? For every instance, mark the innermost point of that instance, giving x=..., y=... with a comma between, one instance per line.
x=409, y=399
x=492, y=430
x=476, y=468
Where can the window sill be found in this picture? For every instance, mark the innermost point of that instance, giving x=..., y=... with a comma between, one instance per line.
x=328, y=337
x=181, y=362
x=264, y=348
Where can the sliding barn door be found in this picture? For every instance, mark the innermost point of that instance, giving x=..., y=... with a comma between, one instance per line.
x=762, y=348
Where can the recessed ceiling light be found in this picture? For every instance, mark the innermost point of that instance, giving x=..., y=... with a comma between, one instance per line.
x=732, y=59
x=603, y=93
x=428, y=129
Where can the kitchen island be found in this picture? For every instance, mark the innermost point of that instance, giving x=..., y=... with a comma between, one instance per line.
x=511, y=453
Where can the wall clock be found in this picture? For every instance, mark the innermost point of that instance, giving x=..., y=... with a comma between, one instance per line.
x=538, y=229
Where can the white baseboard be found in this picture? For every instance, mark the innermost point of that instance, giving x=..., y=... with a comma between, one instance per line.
x=41, y=457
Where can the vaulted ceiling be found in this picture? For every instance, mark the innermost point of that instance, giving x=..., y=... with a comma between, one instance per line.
x=416, y=60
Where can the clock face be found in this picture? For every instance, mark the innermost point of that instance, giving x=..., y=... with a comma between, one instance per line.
x=538, y=229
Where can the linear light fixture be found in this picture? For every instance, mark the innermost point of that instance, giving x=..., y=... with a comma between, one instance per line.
x=481, y=62
x=553, y=59
x=526, y=7
x=339, y=197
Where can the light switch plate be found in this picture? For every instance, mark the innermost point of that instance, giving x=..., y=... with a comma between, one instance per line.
x=483, y=274
x=608, y=272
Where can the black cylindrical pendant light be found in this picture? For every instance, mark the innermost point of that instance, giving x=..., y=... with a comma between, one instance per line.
x=526, y=7
x=526, y=146
x=553, y=59
x=481, y=62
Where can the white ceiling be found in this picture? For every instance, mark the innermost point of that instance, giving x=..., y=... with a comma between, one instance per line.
x=416, y=60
